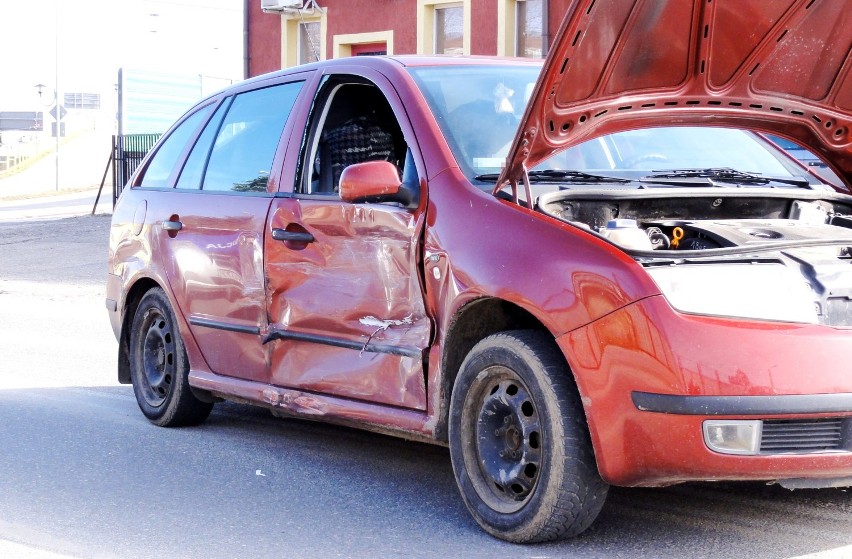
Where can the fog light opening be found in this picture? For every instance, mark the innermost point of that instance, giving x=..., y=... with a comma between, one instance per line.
x=730, y=436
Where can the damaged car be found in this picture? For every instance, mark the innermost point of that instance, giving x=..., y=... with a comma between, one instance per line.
x=597, y=271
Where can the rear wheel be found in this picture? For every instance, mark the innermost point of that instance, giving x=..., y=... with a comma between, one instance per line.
x=519, y=442
x=159, y=368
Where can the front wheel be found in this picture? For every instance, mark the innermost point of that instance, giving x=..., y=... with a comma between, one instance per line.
x=159, y=368
x=519, y=443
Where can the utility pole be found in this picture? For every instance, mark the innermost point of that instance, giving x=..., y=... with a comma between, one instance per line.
x=58, y=104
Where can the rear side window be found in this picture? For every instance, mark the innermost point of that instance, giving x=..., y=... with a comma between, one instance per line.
x=163, y=163
x=193, y=169
x=247, y=139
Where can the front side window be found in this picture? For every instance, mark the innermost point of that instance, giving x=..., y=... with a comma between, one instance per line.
x=160, y=169
x=449, y=30
x=529, y=20
x=357, y=125
x=246, y=141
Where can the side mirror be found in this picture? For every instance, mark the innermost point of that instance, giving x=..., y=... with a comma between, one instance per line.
x=374, y=182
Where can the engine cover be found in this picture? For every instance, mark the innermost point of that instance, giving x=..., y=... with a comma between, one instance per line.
x=742, y=232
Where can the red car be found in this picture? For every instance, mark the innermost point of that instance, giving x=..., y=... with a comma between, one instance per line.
x=596, y=272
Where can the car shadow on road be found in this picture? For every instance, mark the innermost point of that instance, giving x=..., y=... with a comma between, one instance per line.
x=84, y=465
x=734, y=519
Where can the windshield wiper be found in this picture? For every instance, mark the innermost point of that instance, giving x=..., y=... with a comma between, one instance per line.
x=723, y=175
x=554, y=175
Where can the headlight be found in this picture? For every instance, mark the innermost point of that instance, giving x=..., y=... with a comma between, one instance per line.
x=762, y=291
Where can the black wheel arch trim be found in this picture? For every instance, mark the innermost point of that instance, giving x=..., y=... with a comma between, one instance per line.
x=787, y=404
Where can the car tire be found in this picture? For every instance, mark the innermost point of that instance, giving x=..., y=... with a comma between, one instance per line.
x=159, y=367
x=519, y=442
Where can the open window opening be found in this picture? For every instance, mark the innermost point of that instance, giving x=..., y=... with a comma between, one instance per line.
x=356, y=124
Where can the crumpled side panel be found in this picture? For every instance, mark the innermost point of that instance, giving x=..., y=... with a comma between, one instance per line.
x=375, y=377
x=214, y=265
x=356, y=283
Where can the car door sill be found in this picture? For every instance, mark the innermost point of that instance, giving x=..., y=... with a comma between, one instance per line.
x=411, y=424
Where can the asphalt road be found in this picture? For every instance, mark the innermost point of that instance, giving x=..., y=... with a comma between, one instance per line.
x=84, y=475
x=64, y=204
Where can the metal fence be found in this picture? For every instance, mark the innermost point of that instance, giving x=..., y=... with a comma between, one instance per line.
x=128, y=151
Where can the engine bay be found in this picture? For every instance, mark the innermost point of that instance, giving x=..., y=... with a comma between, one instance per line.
x=809, y=234
x=692, y=220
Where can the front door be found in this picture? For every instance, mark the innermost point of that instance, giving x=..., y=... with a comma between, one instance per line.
x=345, y=304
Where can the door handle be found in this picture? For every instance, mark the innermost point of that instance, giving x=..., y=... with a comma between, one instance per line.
x=172, y=225
x=292, y=236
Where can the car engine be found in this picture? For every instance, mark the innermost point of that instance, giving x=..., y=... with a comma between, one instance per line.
x=807, y=232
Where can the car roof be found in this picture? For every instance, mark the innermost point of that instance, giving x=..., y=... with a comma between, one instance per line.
x=408, y=60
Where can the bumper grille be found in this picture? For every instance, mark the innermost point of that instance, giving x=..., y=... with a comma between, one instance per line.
x=803, y=436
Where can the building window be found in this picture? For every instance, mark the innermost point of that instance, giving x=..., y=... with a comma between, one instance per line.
x=528, y=31
x=303, y=37
x=361, y=44
x=443, y=26
x=521, y=28
x=449, y=29
x=370, y=49
x=309, y=42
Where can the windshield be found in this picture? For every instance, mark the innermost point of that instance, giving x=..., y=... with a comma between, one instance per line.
x=479, y=109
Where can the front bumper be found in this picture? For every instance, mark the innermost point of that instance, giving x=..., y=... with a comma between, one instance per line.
x=796, y=404
x=649, y=378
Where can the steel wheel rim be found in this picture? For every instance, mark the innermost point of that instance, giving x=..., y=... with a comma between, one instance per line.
x=159, y=359
x=507, y=451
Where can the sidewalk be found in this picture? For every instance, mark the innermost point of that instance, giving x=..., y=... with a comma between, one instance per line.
x=56, y=206
x=32, y=193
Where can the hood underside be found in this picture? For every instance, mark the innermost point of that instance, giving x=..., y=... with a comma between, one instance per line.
x=778, y=66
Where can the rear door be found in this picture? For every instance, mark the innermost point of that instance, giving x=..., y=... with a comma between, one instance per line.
x=210, y=225
x=346, y=308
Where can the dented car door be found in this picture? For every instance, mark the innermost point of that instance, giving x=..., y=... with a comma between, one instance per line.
x=345, y=304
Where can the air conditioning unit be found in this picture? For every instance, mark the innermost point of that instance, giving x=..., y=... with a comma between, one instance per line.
x=281, y=5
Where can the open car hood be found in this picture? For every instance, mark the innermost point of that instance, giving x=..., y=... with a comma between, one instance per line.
x=778, y=66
